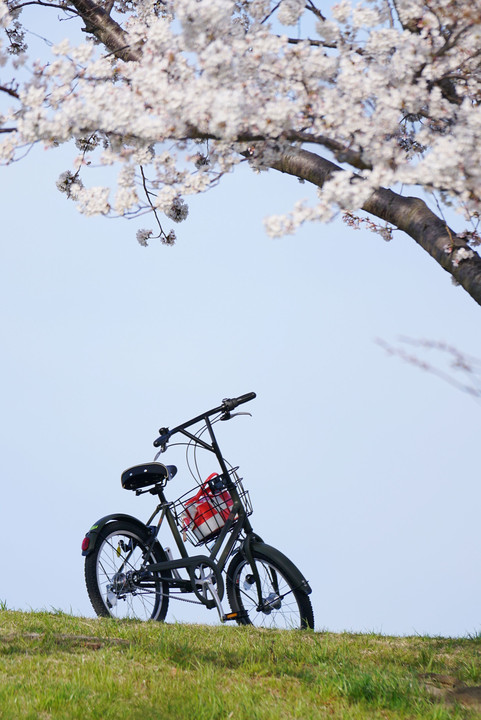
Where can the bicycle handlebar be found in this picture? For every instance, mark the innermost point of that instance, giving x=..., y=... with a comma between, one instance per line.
x=228, y=404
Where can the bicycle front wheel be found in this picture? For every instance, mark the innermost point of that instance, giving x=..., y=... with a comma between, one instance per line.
x=114, y=587
x=282, y=604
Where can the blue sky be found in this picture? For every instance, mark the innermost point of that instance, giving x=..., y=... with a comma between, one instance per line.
x=361, y=468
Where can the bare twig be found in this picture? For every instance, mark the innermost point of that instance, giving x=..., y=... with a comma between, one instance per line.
x=458, y=363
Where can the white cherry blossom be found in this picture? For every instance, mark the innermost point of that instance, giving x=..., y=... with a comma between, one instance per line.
x=178, y=93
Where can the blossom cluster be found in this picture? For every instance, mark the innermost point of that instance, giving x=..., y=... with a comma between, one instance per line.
x=393, y=93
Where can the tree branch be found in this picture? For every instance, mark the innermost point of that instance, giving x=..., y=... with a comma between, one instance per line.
x=106, y=30
x=341, y=152
x=9, y=91
x=409, y=214
x=310, y=6
x=43, y=4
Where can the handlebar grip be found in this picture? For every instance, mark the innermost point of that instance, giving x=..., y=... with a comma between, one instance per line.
x=245, y=398
x=231, y=403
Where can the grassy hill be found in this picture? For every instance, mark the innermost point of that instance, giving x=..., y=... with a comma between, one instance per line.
x=59, y=666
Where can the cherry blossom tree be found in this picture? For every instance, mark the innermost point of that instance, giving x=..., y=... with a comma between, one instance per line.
x=377, y=104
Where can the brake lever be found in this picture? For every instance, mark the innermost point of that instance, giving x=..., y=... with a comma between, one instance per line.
x=229, y=415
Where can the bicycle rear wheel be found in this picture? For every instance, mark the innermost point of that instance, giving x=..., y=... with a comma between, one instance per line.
x=283, y=604
x=114, y=590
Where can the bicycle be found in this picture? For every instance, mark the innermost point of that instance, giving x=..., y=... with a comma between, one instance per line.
x=128, y=572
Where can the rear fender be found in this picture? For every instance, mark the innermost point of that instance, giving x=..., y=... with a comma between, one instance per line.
x=91, y=537
x=283, y=562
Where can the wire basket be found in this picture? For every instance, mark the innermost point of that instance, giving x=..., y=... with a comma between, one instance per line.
x=202, y=512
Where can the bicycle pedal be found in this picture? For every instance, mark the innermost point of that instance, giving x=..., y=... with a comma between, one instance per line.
x=235, y=616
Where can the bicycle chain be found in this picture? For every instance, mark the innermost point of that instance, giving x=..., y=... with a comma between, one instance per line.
x=181, y=599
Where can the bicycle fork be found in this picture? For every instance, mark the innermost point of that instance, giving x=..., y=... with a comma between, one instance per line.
x=269, y=603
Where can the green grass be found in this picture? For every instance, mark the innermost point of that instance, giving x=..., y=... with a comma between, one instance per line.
x=58, y=666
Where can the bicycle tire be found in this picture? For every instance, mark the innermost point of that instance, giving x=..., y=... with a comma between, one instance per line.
x=120, y=549
x=286, y=606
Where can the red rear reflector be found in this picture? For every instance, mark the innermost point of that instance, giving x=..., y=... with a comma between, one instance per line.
x=85, y=543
